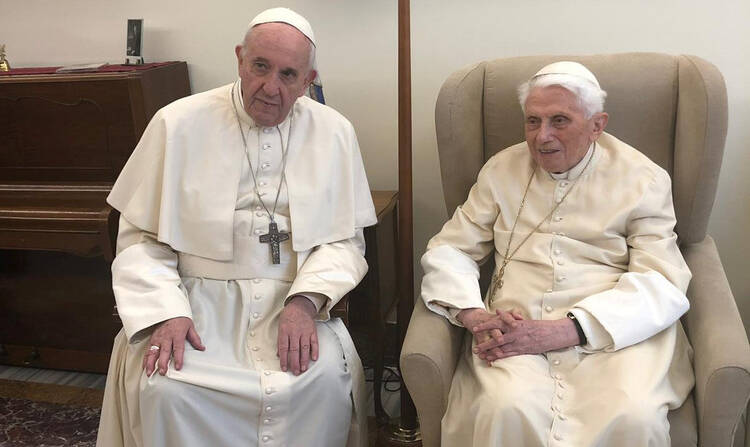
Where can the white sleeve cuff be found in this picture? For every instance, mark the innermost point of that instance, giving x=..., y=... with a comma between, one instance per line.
x=450, y=280
x=319, y=300
x=448, y=311
x=597, y=338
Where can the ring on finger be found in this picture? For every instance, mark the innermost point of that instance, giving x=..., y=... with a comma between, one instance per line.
x=153, y=348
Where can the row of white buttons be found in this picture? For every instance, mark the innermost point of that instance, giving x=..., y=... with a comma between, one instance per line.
x=556, y=408
x=267, y=438
x=560, y=192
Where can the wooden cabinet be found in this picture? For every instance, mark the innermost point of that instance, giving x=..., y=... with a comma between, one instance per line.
x=63, y=141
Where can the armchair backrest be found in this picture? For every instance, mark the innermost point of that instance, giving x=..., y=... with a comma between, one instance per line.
x=672, y=108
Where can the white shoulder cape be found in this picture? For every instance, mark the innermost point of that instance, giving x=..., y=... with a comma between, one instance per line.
x=181, y=180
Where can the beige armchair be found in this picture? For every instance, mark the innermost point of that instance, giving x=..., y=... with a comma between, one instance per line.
x=674, y=109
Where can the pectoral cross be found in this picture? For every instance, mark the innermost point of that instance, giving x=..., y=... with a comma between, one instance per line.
x=497, y=282
x=273, y=237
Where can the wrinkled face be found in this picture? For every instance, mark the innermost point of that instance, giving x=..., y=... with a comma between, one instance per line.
x=274, y=69
x=557, y=130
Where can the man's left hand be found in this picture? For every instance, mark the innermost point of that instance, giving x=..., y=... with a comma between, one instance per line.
x=298, y=337
x=530, y=337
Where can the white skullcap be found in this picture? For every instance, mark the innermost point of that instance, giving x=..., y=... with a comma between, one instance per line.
x=568, y=68
x=286, y=15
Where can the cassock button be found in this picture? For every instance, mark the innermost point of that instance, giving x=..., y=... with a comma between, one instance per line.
x=556, y=362
x=257, y=297
x=562, y=417
x=267, y=130
x=266, y=146
x=258, y=207
x=267, y=373
x=549, y=290
x=252, y=333
x=558, y=218
x=549, y=309
x=266, y=438
x=266, y=421
x=268, y=408
x=270, y=390
x=256, y=315
x=262, y=183
x=560, y=262
x=558, y=376
x=258, y=231
x=558, y=437
x=259, y=214
x=563, y=183
x=256, y=280
x=255, y=348
x=557, y=252
x=560, y=278
x=560, y=396
x=265, y=165
x=561, y=234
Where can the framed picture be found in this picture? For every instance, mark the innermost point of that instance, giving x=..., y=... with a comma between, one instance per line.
x=134, y=40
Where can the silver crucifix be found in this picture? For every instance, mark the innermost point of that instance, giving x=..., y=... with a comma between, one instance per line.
x=273, y=237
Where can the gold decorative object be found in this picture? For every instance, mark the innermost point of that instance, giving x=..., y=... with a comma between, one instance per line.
x=4, y=64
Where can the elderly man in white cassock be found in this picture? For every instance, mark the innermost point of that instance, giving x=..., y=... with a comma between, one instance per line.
x=578, y=340
x=242, y=211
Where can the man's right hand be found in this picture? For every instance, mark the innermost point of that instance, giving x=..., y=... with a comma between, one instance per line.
x=170, y=336
x=473, y=318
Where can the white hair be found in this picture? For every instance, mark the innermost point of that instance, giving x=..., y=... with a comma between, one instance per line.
x=590, y=97
x=311, y=56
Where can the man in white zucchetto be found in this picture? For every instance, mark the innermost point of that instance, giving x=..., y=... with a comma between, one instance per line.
x=578, y=341
x=242, y=211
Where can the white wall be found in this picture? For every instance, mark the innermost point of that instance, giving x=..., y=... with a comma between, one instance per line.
x=357, y=58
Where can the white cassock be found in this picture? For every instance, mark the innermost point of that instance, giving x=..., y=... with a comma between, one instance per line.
x=174, y=193
x=609, y=255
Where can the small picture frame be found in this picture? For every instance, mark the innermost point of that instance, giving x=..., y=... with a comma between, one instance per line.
x=134, y=42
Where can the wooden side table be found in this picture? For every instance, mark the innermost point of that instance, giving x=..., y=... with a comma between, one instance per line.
x=379, y=289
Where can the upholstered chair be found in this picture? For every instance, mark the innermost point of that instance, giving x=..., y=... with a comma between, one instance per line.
x=673, y=109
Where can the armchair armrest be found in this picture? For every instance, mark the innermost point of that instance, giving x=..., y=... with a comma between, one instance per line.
x=722, y=353
x=428, y=359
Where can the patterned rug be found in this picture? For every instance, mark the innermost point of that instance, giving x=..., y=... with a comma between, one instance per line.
x=45, y=415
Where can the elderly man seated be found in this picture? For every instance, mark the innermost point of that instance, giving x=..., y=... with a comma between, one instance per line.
x=242, y=215
x=578, y=341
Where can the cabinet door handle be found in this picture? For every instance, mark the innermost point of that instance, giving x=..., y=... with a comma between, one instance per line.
x=32, y=358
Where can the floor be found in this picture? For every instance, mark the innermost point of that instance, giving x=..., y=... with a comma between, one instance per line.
x=81, y=380
x=390, y=394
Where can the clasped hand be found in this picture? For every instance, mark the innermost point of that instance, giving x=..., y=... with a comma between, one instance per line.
x=505, y=334
x=489, y=330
